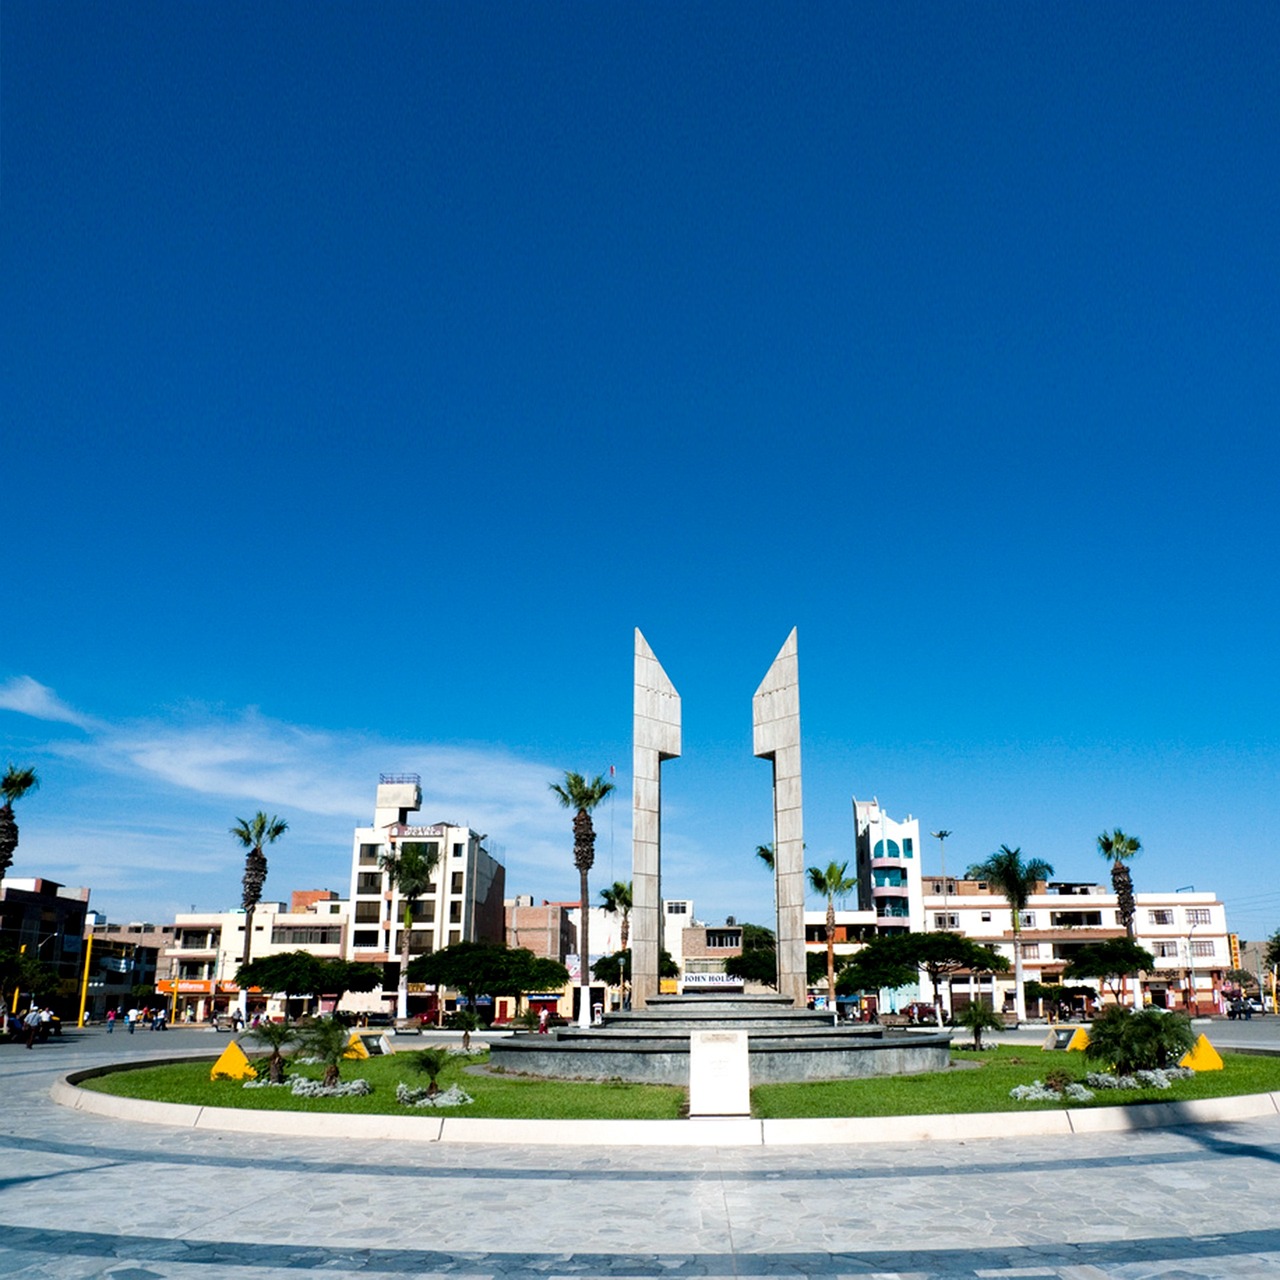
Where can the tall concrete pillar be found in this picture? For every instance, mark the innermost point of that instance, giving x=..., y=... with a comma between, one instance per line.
x=775, y=718
x=655, y=738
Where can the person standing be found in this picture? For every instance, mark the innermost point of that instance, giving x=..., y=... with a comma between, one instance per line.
x=32, y=1024
x=111, y=1021
x=130, y=1019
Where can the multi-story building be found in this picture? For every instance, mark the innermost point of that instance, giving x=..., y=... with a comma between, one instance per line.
x=1186, y=933
x=888, y=857
x=124, y=959
x=704, y=949
x=47, y=920
x=208, y=947
x=464, y=902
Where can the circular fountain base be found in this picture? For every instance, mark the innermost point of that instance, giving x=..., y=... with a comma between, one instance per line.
x=784, y=1044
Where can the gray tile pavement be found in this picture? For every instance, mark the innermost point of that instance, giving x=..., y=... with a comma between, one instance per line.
x=85, y=1196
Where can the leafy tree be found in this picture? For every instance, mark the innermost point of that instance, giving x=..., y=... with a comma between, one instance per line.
x=1119, y=849
x=15, y=784
x=756, y=937
x=20, y=971
x=760, y=965
x=615, y=970
x=617, y=901
x=977, y=1017
x=1016, y=880
x=1242, y=978
x=583, y=797
x=276, y=1036
x=296, y=973
x=488, y=968
x=1110, y=962
x=253, y=833
x=410, y=870
x=880, y=964
x=1141, y=1041
x=831, y=882
x=1271, y=956
x=326, y=1040
x=337, y=977
x=942, y=953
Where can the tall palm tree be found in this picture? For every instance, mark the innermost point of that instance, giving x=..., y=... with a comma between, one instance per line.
x=832, y=883
x=617, y=901
x=765, y=853
x=410, y=871
x=253, y=833
x=13, y=786
x=1015, y=880
x=1119, y=849
x=583, y=796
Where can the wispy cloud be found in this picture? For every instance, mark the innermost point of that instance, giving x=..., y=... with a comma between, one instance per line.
x=31, y=698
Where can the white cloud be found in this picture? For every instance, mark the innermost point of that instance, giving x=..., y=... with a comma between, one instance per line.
x=31, y=698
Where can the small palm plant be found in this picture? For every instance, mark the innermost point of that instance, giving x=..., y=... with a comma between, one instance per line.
x=977, y=1018
x=275, y=1035
x=327, y=1041
x=431, y=1062
x=466, y=1021
x=1141, y=1041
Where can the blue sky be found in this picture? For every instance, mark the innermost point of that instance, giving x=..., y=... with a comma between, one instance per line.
x=369, y=375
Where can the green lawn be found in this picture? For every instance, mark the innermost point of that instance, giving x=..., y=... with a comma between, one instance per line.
x=982, y=1086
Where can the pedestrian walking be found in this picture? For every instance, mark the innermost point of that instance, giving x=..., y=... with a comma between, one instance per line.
x=111, y=1021
x=32, y=1024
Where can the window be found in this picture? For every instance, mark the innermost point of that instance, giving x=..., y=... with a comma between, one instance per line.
x=456, y=886
x=369, y=854
x=1031, y=951
x=1202, y=946
x=1197, y=915
x=455, y=913
x=725, y=937
x=1028, y=919
x=946, y=921
x=424, y=912
x=306, y=935
x=365, y=938
x=986, y=917
x=677, y=908
x=908, y=847
x=369, y=882
x=1166, y=949
x=368, y=912
x=1075, y=919
x=420, y=942
x=457, y=849
x=455, y=936
x=879, y=850
x=1160, y=917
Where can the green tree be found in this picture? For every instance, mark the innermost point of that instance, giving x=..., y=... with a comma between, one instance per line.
x=583, y=796
x=976, y=1017
x=617, y=902
x=1015, y=880
x=880, y=965
x=15, y=784
x=765, y=853
x=759, y=959
x=410, y=871
x=1110, y=962
x=20, y=971
x=615, y=970
x=1119, y=850
x=431, y=1062
x=486, y=968
x=1271, y=957
x=1142, y=1041
x=295, y=973
x=831, y=882
x=253, y=833
x=276, y=1036
x=327, y=1041
x=939, y=954
x=337, y=977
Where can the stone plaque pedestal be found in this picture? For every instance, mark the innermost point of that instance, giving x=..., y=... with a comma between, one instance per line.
x=719, y=1074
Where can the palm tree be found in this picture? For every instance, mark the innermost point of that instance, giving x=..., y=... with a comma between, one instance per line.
x=1015, y=880
x=13, y=786
x=410, y=871
x=833, y=883
x=1119, y=849
x=276, y=1036
x=328, y=1041
x=583, y=796
x=765, y=853
x=617, y=901
x=253, y=833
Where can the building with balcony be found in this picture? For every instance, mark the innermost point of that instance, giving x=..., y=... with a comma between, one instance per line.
x=464, y=902
x=888, y=860
x=1186, y=932
x=123, y=958
x=199, y=966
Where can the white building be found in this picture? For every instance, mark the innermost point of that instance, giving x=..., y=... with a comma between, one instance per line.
x=463, y=904
x=888, y=859
x=1185, y=932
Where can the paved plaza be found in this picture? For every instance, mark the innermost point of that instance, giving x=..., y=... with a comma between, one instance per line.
x=82, y=1195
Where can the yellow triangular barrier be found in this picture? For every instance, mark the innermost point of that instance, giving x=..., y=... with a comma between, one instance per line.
x=1202, y=1056
x=1066, y=1038
x=232, y=1065
x=1079, y=1040
x=356, y=1047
